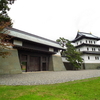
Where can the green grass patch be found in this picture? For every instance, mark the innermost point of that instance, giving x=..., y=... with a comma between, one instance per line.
x=86, y=89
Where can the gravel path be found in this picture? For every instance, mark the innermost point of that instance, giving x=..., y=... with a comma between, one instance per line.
x=49, y=77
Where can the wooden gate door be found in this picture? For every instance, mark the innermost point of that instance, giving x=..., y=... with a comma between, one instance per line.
x=34, y=63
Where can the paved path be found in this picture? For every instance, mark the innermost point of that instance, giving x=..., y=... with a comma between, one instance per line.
x=49, y=77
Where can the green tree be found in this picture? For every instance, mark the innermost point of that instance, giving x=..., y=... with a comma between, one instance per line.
x=5, y=21
x=62, y=41
x=73, y=56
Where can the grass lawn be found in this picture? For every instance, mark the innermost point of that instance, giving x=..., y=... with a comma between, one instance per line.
x=87, y=89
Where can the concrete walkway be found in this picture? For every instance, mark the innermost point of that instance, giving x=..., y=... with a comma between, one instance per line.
x=47, y=77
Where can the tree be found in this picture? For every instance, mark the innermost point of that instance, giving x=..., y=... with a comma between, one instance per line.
x=73, y=56
x=4, y=6
x=5, y=22
x=62, y=42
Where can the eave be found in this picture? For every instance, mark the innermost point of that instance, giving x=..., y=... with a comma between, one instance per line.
x=23, y=40
x=91, y=52
x=84, y=44
x=31, y=49
x=84, y=37
x=25, y=36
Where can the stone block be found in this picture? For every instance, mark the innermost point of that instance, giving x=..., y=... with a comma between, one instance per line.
x=11, y=63
x=56, y=63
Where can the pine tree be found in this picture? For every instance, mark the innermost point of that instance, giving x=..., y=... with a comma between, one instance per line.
x=73, y=56
x=62, y=41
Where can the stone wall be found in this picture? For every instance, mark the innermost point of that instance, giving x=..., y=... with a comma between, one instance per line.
x=10, y=64
x=84, y=66
x=91, y=65
x=56, y=64
x=68, y=66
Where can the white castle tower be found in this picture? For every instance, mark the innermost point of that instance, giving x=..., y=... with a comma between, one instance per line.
x=87, y=44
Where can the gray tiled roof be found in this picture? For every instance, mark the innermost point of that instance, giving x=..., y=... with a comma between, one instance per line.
x=34, y=38
x=87, y=34
x=81, y=35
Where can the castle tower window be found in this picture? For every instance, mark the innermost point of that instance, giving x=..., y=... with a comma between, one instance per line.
x=87, y=49
x=86, y=41
x=88, y=57
x=94, y=42
x=96, y=58
x=93, y=49
x=98, y=49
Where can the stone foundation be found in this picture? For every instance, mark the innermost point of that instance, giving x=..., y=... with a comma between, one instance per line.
x=10, y=64
x=56, y=64
x=68, y=66
x=84, y=66
x=91, y=65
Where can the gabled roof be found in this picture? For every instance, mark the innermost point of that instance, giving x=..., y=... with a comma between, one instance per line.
x=81, y=35
x=33, y=38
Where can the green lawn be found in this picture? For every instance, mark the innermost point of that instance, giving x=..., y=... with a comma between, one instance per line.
x=88, y=89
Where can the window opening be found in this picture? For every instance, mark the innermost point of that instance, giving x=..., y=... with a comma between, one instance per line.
x=98, y=49
x=87, y=49
x=96, y=58
x=88, y=57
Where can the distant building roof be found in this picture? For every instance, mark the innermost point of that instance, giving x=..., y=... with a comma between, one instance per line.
x=81, y=35
x=33, y=38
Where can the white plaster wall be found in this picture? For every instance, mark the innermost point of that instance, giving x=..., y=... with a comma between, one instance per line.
x=84, y=48
x=84, y=41
x=80, y=42
x=16, y=42
x=51, y=49
x=64, y=59
x=58, y=53
x=86, y=60
x=92, y=58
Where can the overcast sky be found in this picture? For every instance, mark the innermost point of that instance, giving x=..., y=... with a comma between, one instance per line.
x=56, y=18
